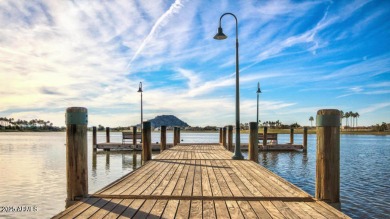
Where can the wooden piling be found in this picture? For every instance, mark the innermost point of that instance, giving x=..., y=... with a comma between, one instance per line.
x=174, y=136
x=134, y=136
x=163, y=138
x=94, y=138
x=328, y=157
x=108, y=134
x=224, y=136
x=304, y=139
x=230, y=137
x=253, y=146
x=220, y=135
x=146, y=141
x=76, y=154
x=291, y=136
x=178, y=135
x=265, y=138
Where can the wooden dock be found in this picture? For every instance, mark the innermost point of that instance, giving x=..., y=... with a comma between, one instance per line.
x=200, y=181
x=156, y=146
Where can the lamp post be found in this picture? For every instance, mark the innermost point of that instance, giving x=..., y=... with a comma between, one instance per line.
x=140, y=91
x=258, y=92
x=221, y=36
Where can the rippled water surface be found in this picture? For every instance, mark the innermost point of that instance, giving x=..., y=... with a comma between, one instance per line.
x=32, y=170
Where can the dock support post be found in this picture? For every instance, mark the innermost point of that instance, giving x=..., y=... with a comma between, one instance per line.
x=224, y=137
x=265, y=138
x=230, y=138
x=178, y=135
x=253, y=146
x=108, y=134
x=291, y=136
x=328, y=157
x=76, y=154
x=220, y=135
x=94, y=138
x=163, y=138
x=146, y=141
x=304, y=139
x=134, y=136
x=174, y=136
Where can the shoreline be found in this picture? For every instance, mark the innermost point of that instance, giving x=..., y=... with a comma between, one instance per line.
x=277, y=131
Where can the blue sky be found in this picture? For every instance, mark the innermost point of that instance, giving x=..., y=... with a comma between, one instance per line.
x=307, y=55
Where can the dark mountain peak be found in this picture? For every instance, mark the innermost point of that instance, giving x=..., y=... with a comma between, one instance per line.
x=167, y=120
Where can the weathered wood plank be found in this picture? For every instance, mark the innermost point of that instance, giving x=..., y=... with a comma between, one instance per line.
x=183, y=210
x=132, y=209
x=196, y=209
x=208, y=209
x=221, y=209
x=170, y=209
x=234, y=209
x=119, y=209
x=200, y=181
x=94, y=208
x=158, y=209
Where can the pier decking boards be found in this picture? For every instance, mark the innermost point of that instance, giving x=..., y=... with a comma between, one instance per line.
x=156, y=146
x=200, y=181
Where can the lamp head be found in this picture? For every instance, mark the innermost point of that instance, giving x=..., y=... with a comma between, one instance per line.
x=220, y=35
x=140, y=87
x=258, y=88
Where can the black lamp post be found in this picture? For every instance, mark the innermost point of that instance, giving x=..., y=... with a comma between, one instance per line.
x=140, y=91
x=221, y=36
x=258, y=92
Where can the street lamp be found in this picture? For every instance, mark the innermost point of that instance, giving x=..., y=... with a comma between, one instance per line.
x=258, y=92
x=140, y=91
x=221, y=36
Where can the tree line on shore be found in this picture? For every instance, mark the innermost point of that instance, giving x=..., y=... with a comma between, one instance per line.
x=42, y=125
x=24, y=125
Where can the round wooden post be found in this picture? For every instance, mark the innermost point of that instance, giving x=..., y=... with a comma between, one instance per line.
x=220, y=135
x=94, y=138
x=230, y=137
x=108, y=134
x=146, y=141
x=163, y=138
x=174, y=136
x=224, y=137
x=253, y=146
x=265, y=138
x=304, y=144
x=134, y=136
x=134, y=159
x=328, y=157
x=178, y=135
x=76, y=154
x=291, y=136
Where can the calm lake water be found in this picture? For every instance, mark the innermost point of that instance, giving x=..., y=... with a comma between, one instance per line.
x=32, y=170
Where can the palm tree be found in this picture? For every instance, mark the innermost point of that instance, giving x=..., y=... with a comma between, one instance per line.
x=351, y=115
x=341, y=116
x=311, y=119
x=346, y=115
x=357, y=116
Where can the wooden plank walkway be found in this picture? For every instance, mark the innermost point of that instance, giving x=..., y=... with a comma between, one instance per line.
x=200, y=181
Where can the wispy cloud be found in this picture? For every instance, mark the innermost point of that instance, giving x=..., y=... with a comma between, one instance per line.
x=56, y=54
x=374, y=108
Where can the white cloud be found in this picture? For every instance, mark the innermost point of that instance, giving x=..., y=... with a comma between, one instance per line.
x=374, y=108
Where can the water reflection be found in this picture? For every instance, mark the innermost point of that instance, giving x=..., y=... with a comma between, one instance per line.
x=107, y=162
x=94, y=158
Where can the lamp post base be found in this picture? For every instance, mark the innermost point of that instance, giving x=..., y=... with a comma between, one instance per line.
x=238, y=157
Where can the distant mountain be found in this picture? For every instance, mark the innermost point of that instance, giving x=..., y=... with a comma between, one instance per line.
x=167, y=120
